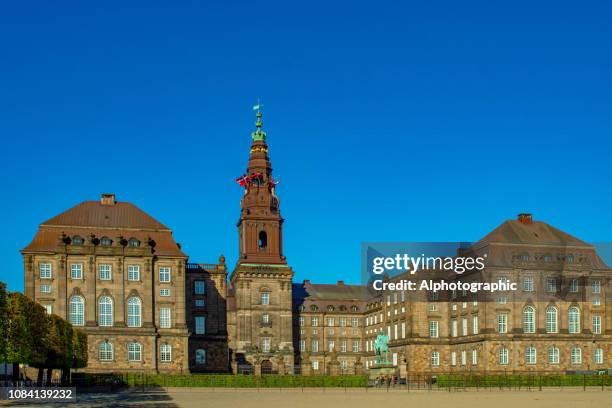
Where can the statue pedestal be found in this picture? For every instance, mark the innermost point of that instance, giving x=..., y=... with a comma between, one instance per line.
x=381, y=369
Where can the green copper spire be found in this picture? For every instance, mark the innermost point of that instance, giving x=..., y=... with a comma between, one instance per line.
x=258, y=135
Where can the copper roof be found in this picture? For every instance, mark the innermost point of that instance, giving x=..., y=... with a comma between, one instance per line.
x=534, y=233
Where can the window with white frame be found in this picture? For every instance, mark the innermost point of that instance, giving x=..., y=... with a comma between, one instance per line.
x=435, y=358
x=134, y=314
x=264, y=298
x=355, y=322
x=528, y=319
x=502, y=300
x=199, y=287
x=502, y=323
x=302, y=346
x=331, y=344
x=355, y=347
x=164, y=274
x=301, y=321
x=133, y=272
x=105, y=311
x=134, y=351
x=576, y=355
x=474, y=324
x=343, y=346
x=574, y=320
x=315, y=365
x=314, y=321
x=105, y=351
x=200, y=356
x=45, y=271
x=265, y=344
x=453, y=358
x=76, y=309
x=474, y=357
x=315, y=346
x=463, y=357
x=573, y=286
x=165, y=353
x=551, y=285
x=76, y=271
x=165, y=319
x=528, y=284
x=596, y=301
x=596, y=286
x=596, y=319
x=434, y=329
x=200, y=324
x=105, y=271
x=48, y=309
x=598, y=356
x=454, y=328
x=403, y=329
x=503, y=356
x=553, y=355
x=45, y=288
x=530, y=355
x=464, y=327
x=551, y=319
x=164, y=292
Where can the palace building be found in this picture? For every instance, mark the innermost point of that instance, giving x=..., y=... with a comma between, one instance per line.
x=116, y=272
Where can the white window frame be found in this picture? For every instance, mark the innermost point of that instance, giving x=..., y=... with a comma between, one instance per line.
x=529, y=319
x=45, y=288
x=134, y=351
x=106, y=351
x=531, y=355
x=596, y=323
x=133, y=273
x=76, y=310
x=553, y=355
x=435, y=358
x=528, y=284
x=598, y=356
x=502, y=323
x=164, y=292
x=552, y=319
x=134, y=312
x=165, y=353
x=574, y=320
x=165, y=273
x=45, y=270
x=474, y=324
x=503, y=356
x=105, y=272
x=264, y=298
x=76, y=271
x=576, y=355
x=106, y=311
x=165, y=317
x=434, y=329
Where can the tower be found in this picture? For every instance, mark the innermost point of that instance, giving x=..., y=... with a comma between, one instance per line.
x=261, y=281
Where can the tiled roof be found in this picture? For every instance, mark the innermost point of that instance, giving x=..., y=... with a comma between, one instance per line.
x=534, y=233
x=341, y=291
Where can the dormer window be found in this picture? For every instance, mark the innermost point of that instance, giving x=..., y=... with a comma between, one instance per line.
x=330, y=308
x=106, y=241
x=134, y=243
x=77, y=240
x=354, y=308
x=314, y=308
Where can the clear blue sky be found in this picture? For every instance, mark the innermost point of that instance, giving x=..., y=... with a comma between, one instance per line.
x=403, y=121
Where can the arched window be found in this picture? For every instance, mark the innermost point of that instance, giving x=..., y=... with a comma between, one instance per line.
x=551, y=319
x=263, y=240
x=200, y=356
x=134, y=312
x=134, y=243
x=77, y=310
x=354, y=308
x=530, y=355
x=576, y=355
x=574, y=320
x=264, y=298
x=553, y=355
x=105, y=311
x=134, y=352
x=528, y=319
x=314, y=308
x=105, y=241
x=77, y=240
x=105, y=352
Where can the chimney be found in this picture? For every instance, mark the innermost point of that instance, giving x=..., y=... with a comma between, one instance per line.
x=340, y=283
x=525, y=218
x=107, y=199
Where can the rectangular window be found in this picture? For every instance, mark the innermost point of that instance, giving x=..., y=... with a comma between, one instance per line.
x=264, y=298
x=164, y=274
x=343, y=346
x=330, y=321
x=134, y=352
x=355, y=322
x=502, y=323
x=395, y=331
x=355, y=346
x=403, y=330
x=134, y=273
x=105, y=272
x=165, y=353
x=165, y=320
x=343, y=322
x=576, y=355
x=76, y=271
x=315, y=365
x=596, y=286
x=454, y=328
x=530, y=355
x=315, y=346
x=573, y=287
x=435, y=358
x=164, y=292
x=474, y=357
x=474, y=324
x=301, y=321
x=503, y=356
x=330, y=345
x=463, y=357
x=464, y=327
x=596, y=301
x=200, y=287
x=553, y=355
x=302, y=346
x=596, y=324
x=453, y=358
x=199, y=302
x=45, y=288
x=433, y=307
x=45, y=271
x=200, y=324
x=528, y=284
x=551, y=285
x=502, y=300
x=433, y=329
x=48, y=309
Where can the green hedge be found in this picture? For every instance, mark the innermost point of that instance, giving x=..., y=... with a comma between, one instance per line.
x=515, y=381
x=222, y=380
